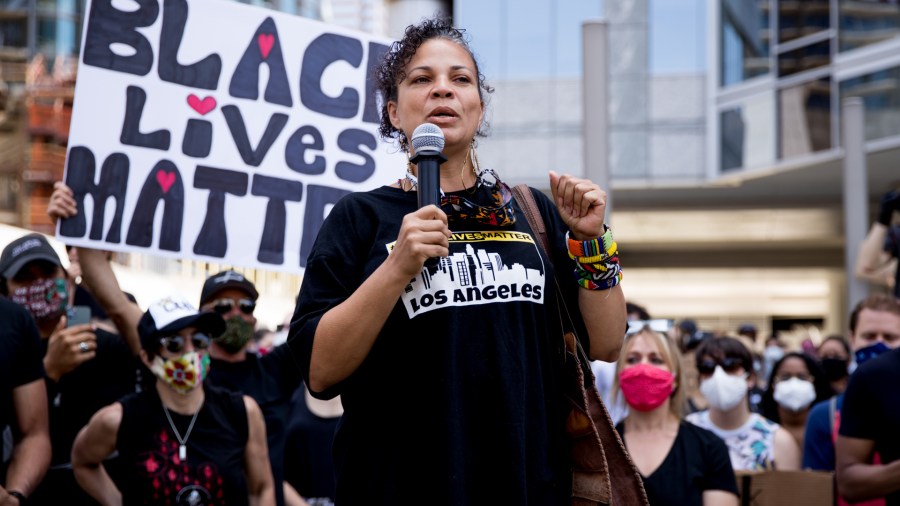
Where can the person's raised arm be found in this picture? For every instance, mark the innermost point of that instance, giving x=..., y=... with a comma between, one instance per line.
x=260, y=483
x=31, y=453
x=857, y=478
x=95, y=442
x=345, y=334
x=873, y=263
x=582, y=206
x=97, y=274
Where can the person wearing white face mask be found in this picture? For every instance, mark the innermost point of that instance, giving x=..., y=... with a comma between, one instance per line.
x=754, y=443
x=796, y=383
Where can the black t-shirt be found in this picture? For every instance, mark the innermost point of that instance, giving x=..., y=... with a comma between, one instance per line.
x=21, y=359
x=872, y=409
x=308, y=463
x=104, y=379
x=698, y=461
x=271, y=381
x=214, y=473
x=457, y=402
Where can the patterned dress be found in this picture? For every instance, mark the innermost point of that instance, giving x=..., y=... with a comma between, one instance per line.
x=751, y=446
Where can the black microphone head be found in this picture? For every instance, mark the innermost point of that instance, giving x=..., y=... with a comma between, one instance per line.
x=427, y=137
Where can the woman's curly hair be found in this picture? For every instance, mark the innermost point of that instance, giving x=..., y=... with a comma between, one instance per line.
x=393, y=68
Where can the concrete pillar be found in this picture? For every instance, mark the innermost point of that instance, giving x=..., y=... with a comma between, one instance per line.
x=595, y=103
x=856, y=201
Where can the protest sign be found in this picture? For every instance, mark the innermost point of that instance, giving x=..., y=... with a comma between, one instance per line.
x=218, y=131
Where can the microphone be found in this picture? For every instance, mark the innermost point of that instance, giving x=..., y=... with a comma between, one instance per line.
x=428, y=142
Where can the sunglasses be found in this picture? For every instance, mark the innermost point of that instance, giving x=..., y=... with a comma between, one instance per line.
x=659, y=325
x=224, y=306
x=175, y=344
x=497, y=212
x=728, y=364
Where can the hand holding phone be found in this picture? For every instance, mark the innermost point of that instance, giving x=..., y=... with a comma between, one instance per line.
x=78, y=315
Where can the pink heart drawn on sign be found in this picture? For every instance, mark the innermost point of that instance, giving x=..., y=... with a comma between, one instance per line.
x=201, y=106
x=165, y=180
x=265, y=41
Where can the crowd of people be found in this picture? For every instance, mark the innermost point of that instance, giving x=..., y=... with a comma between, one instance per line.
x=372, y=401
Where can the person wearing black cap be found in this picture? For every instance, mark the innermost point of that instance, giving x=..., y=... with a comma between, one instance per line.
x=183, y=442
x=270, y=379
x=86, y=368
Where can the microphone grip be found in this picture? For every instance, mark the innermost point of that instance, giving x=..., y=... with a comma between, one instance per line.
x=428, y=172
x=428, y=169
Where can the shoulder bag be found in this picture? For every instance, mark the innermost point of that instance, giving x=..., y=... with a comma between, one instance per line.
x=602, y=470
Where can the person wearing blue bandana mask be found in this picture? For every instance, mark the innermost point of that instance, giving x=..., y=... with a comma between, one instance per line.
x=871, y=416
x=874, y=329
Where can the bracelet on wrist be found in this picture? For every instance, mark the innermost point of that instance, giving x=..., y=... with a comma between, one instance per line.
x=18, y=495
x=592, y=250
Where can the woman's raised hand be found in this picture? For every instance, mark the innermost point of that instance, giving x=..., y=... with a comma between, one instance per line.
x=62, y=202
x=423, y=234
x=581, y=204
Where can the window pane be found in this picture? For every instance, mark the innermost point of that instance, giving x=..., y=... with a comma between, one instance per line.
x=804, y=58
x=677, y=36
x=805, y=118
x=799, y=18
x=745, y=40
x=880, y=92
x=867, y=22
x=747, y=133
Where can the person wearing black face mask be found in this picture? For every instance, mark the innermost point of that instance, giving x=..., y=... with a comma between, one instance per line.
x=834, y=356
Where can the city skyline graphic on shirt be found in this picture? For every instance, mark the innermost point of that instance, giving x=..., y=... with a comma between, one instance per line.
x=476, y=273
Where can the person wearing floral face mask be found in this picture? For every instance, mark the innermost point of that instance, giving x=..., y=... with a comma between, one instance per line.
x=796, y=383
x=269, y=379
x=86, y=367
x=680, y=463
x=204, y=442
x=754, y=443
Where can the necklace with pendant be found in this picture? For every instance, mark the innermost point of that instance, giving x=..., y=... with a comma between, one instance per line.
x=182, y=442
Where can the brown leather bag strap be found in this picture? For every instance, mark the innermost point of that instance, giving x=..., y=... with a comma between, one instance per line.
x=603, y=472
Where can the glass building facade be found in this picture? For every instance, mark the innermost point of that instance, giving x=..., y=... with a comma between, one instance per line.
x=785, y=66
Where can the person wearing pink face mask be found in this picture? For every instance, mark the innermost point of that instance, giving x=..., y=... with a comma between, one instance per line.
x=679, y=462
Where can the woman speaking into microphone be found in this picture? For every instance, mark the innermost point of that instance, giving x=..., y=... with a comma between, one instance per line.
x=449, y=371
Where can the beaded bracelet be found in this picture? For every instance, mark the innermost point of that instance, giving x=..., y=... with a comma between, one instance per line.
x=593, y=250
x=596, y=261
x=591, y=283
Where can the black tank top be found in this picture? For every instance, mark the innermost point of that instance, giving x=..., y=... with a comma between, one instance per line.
x=148, y=450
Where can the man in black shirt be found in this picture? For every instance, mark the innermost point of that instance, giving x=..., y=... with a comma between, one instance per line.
x=23, y=396
x=270, y=379
x=870, y=419
x=86, y=367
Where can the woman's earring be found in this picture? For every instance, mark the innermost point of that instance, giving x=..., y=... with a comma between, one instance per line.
x=476, y=167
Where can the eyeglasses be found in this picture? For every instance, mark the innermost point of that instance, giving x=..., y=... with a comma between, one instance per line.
x=175, y=344
x=224, y=306
x=730, y=365
x=499, y=212
x=658, y=325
